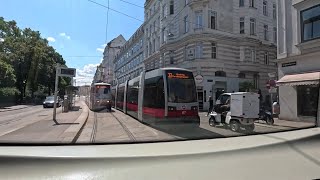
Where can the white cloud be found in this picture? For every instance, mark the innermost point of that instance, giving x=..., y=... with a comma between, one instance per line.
x=51, y=39
x=86, y=74
x=100, y=49
x=64, y=35
x=1, y=40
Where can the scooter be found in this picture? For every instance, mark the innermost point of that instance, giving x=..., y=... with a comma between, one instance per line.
x=266, y=116
x=235, y=123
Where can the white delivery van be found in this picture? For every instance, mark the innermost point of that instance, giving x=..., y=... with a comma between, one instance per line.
x=244, y=110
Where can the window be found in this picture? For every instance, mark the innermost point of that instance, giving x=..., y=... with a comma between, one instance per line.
x=171, y=60
x=252, y=26
x=199, y=50
x=154, y=93
x=241, y=3
x=265, y=32
x=154, y=45
x=310, y=23
x=186, y=24
x=199, y=23
x=274, y=11
x=265, y=8
x=266, y=58
x=147, y=32
x=275, y=35
x=220, y=74
x=242, y=25
x=251, y=3
x=147, y=15
x=253, y=55
x=163, y=34
x=164, y=10
x=256, y=81
x=213, y=19
x=213, y=50
x=171, y=7
x=242, y=75
x=307, y=97
x=154, y=25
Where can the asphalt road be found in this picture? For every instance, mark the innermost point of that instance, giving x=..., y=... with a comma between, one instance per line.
x=111, y=127
x=13, y=120
x=115, y=126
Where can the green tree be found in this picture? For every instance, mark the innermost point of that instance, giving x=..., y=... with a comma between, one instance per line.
x=28, y=60
x=246, y=86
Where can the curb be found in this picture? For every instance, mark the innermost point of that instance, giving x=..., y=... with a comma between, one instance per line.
x=71, y=134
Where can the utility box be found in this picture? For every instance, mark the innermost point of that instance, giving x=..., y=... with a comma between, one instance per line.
x=245, y=105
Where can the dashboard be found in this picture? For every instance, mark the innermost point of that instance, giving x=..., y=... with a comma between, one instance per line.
x=283, y=155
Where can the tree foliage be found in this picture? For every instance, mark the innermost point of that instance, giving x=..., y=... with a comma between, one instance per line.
x=27, y=62
x=246, y=86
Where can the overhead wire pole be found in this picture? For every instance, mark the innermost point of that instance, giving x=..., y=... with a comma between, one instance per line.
x=107, y=22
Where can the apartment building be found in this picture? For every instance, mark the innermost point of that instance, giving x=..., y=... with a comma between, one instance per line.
x=224, y=42
x=128, y=63
x=298, y=59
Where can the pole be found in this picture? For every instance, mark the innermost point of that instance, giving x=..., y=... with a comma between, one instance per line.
x=55, y=94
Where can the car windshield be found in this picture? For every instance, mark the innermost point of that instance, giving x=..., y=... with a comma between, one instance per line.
x=50, y=98
x=132, y=71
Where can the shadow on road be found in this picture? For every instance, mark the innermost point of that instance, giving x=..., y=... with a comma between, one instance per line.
x=187, y=131
x=66, y=124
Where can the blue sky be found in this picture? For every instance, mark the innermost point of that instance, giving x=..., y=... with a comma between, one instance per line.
x=75, y=27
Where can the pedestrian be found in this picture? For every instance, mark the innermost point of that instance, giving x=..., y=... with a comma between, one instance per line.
x=210, y=100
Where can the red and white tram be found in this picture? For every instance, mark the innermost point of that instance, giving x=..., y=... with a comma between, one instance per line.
x=100, y=96
x=165, y=95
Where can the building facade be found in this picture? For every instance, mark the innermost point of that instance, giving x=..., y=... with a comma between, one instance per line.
x=298, y=59
x=110, y=51
x=128, y=63
x=224, y=42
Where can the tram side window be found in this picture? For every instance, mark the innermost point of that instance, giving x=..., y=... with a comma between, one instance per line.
x=154, y=93
x=120, y=97
x=133, y=93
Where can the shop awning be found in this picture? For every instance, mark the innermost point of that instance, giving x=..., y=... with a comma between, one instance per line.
x=299, y=79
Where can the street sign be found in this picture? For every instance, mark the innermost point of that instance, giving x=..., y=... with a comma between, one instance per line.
x=271, y=84
x=198, y=79
x=67, y=72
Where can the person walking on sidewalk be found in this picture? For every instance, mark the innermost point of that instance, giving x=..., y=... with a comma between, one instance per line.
x=210, y=105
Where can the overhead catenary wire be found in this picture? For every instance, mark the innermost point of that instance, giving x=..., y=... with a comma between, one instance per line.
x=111, y=9
x=163, y=28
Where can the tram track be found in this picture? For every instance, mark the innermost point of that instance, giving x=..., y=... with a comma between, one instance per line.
x=96, y=122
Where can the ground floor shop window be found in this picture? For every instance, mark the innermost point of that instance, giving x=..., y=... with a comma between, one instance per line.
x=307, y=100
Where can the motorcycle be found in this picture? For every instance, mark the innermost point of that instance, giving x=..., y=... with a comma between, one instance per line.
x=266, y=116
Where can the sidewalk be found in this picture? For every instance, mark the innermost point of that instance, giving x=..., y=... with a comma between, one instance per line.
x=46, y=131
x=290, y=124
x=12, y=108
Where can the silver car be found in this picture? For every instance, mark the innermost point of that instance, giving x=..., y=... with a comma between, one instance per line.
x=49, y=102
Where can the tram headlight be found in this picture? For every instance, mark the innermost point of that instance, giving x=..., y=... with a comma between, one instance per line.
x=171, y=108
x=108, y=101
x=194, y=108
x=98, y=101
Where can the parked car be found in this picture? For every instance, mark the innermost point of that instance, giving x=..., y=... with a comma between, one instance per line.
x=49, y=102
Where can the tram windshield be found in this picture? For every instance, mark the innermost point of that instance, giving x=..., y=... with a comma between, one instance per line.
x=181, y=87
